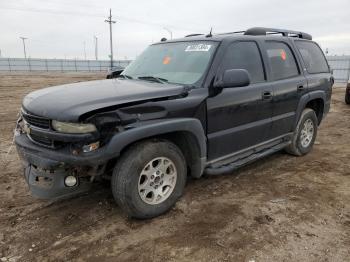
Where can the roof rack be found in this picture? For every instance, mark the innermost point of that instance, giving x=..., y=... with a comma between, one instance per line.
x=272, y=31
x=266, y=31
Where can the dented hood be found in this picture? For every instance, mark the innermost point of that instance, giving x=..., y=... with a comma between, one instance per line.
x=68, y=102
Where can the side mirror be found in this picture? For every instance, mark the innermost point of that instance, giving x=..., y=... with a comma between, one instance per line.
x=233, y=78
x=114, y=74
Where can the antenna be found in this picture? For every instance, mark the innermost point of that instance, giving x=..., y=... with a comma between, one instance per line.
x=210, y=33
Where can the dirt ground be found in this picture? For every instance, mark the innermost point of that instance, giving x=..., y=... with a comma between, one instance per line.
x=281, y=208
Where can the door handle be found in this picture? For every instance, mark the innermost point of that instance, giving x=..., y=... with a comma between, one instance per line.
x=267, y=95
x=300, y=87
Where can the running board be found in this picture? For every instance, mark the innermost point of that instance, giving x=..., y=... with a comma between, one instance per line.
x=224, y=169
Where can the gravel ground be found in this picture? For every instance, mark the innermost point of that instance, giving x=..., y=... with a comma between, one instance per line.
x=281, y=208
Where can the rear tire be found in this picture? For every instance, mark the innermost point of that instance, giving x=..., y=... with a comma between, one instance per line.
x=305, y=134
x=347, y=97
x=149, y=178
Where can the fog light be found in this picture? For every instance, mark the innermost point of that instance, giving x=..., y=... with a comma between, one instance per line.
x=91, y=147
x=70, y=181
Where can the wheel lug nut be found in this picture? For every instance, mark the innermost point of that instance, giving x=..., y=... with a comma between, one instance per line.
x=157, y=172
x=151, y=184
x=156, y=187
x=152, y=176
x=162, y=175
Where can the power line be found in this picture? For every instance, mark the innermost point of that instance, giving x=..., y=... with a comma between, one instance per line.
x=128, y=19
x=84, y=50
x=110, y=22
x=96, y=47
x=24, y=45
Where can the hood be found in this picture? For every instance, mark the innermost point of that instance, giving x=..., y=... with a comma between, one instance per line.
x=69, y=102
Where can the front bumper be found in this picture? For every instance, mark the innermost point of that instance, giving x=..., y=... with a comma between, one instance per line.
x=50, y=184
x=46, y=169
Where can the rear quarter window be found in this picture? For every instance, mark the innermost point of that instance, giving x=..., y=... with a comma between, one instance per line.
x=313, y=57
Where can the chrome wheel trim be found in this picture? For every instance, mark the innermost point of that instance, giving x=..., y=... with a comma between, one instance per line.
x=157, y=180
x=307, y=133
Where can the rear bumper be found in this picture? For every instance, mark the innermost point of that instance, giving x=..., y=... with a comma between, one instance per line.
x=45, y=169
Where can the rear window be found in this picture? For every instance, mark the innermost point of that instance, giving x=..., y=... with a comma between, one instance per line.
x=282, y=60
x=313, y=58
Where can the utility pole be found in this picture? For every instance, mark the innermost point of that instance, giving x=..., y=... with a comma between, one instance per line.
x=24, y=46
x=84, y=50
x=169, y=31
x=110, y=21
x=96, y=55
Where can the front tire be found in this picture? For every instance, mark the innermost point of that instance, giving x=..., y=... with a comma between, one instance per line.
x=304, y=134
x=149, y=178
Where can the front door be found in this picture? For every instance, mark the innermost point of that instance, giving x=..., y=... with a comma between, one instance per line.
x=240, y=117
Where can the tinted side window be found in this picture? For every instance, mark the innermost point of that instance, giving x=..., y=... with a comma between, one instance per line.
x=314, y=60
x=245, y=55
x=282, y=60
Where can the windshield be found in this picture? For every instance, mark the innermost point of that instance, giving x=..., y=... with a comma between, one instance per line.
x=179, y=62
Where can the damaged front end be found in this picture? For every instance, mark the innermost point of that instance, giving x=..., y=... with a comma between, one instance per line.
x=57, y=164
x=63, y=159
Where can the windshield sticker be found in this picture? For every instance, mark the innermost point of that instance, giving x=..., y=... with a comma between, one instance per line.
x=166, y=60
x=198, y=48
x=283, y=55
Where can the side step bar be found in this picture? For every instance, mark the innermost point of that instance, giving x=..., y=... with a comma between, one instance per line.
x=224, y=169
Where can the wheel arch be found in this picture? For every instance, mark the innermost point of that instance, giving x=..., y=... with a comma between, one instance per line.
x=187, y=133
x=314, y=100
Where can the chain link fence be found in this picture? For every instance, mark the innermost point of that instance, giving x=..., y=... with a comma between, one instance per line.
x=341, y=68
x=61, y=65
x=339, y=64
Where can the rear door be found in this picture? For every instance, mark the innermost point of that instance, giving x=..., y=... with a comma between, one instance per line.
x=316, y=68
x=288, y=83
x=240, y=117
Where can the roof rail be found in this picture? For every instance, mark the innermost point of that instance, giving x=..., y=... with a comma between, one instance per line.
x=230, y=33
x=271, y=31
x=193, y=35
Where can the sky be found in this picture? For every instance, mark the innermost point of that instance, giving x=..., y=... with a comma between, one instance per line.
x=61, y=28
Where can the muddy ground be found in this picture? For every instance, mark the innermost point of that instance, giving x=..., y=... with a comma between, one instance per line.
x=281, y=208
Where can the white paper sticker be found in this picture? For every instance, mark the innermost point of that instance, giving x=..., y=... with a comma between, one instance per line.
x=198, y=48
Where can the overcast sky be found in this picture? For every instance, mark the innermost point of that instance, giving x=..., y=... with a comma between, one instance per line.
x=59, y=28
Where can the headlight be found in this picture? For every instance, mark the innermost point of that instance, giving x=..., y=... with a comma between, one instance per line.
x=73, y=128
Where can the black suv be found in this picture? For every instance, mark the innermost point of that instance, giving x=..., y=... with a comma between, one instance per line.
x=203, y=104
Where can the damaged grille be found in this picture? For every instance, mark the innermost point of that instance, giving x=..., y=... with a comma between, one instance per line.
x=36, y=121
x=42, y=140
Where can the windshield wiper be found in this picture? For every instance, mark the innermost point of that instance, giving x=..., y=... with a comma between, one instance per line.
x=154, y=78
x=124, y=76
